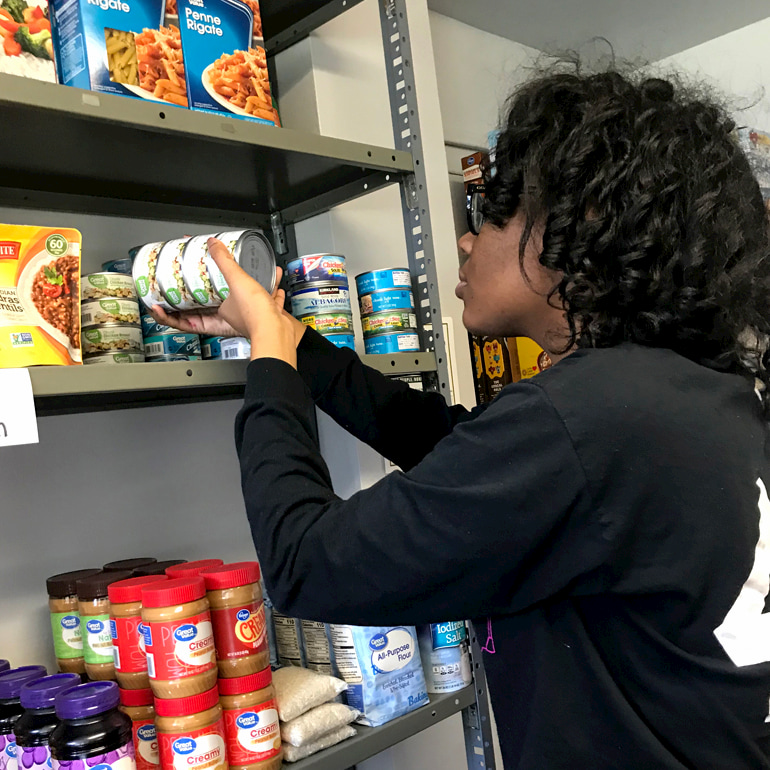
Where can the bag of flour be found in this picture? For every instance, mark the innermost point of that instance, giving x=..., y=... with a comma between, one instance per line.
x=382, y=668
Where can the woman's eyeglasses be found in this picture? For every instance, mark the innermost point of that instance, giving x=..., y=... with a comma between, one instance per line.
x=474, y=207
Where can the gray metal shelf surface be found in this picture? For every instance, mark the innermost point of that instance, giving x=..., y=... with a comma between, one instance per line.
x=66, y=389
x=110, y=155
x=373, y=740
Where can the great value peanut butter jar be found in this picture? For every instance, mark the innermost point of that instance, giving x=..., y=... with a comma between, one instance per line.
x=238, y=617
x=178, y=638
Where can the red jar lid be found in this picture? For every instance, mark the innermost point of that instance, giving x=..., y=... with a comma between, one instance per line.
x=231, y=575
x=170, y=592
x=243, y=684
x=130, y=590
x=136, y=697
x=192, y=568
x=193, y=704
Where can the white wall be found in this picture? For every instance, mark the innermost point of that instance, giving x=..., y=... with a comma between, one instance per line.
x=738, y=65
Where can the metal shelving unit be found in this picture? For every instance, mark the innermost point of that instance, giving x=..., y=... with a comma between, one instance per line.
x=107, y=155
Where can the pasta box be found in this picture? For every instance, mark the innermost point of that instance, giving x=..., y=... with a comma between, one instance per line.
x=119, y=47
x=226, y=65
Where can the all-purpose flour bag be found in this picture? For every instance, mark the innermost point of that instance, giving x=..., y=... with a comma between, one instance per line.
x=382, y=668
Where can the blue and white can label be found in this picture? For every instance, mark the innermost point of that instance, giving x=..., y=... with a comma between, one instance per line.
x=396, y=342
x=317, y=267
x=320, y=299
x=386, y=299
x=376, y=280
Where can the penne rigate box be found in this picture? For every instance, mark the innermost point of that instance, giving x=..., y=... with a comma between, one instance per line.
x=119, y=47
x=225, y=59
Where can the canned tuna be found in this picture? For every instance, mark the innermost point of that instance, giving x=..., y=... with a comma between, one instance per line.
x=173, y=344
x=385, y=300
x=342, y=340
x=377, y=280
x=393, y=321
x=151, y=328
x=317, y=267
x=171, y=358
x=330, y=323
x=393, y=342
x=320, y=299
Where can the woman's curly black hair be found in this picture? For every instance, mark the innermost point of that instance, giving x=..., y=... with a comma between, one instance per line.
x=651, y=214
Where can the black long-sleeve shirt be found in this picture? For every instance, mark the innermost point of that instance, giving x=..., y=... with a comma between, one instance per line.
x=605, y=516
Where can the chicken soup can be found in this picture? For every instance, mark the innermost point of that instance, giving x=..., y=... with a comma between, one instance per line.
x=111, y=338
x=320, y=298
x=392, y=321
x=109, y=310
x=173, y=345
x=132, y=357
x=145, y=276
x=393, y=342
x=313, y=268
x=98, y=285
x=253, y=252
x=170, y=278
x=385, y=300
x=377, y=280
x=329, y=323
x=342, y=340
x=195, y=272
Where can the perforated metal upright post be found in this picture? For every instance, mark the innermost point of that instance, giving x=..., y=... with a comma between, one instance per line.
x=414, y=198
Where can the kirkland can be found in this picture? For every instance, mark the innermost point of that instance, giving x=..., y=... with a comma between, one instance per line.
x=145, y=276
x=342, y=340
x=172, y=345
x=329, y=268
x=445, y=657
x=169, y=274
x=98, y=285
x=321, y=298
x=253, y=252
x=330, y=323
x=225, y=348
x=133, y=357
x=94, y=312
x=393, y=342
x=122, y=265
x=171, y=358
x=376, y=280
x=151, y=328
x=392, y=321
x=111, y=338
x=386, y=299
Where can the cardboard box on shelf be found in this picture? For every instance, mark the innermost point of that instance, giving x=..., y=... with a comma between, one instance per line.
x=527, y=357
x=27, y=48
x=475, y=167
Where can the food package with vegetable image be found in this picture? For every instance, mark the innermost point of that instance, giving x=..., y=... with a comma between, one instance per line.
x=39, y=296
x=119, y=47
x=226, y=73
x=27, y=48
x=383, y=670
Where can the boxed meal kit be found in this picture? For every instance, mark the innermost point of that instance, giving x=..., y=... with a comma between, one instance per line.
x=27, y=49
x=39, y=296
x=226, y=64
x=119, y=47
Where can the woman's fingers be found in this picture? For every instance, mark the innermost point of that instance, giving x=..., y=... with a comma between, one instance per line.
x=278, y=276
x=175, y=321
x=224, y=260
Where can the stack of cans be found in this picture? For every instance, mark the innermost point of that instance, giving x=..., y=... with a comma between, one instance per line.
x=387, y=311
x=109, y=315
x=320, y=296
x=163, y=344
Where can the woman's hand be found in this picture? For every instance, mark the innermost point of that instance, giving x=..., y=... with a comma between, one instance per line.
x=249, y=311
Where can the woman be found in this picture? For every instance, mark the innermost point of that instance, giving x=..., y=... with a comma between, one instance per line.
x=607, y=520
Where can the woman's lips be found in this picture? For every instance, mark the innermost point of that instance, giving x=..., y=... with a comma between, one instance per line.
x=460, y=286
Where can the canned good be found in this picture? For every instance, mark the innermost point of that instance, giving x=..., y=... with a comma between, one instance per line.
x=317, y=267
x=342, y=340
x=111, y=337
x=98, y=285
x=392, y=342
x=171, y=358
x=320, y=298
x=330, y=323
x=109, y=311
x=196, y=273
x=170, y=278
x=392, y=321
x=134, y=357
x=225, y=348
x=253, y=252
x=386, y=299
x=122, y=265
x=151, y=328
x=178, y=344
x=145, y=276
x=377, y=280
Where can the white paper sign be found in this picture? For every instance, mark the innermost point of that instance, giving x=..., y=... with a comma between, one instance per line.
x=18, y=420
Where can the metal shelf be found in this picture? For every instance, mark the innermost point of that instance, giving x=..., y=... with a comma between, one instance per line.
x=111, y=155
x=67, y=389
x=373, y=740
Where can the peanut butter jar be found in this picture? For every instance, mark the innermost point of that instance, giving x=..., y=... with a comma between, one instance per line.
x=127, y=631
x=192, y=568
x=178, y=638
x=238, y=617
x=252, y=731
x=191, y=732
x=94, y=608
x=66, y=624
x=138, y=706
